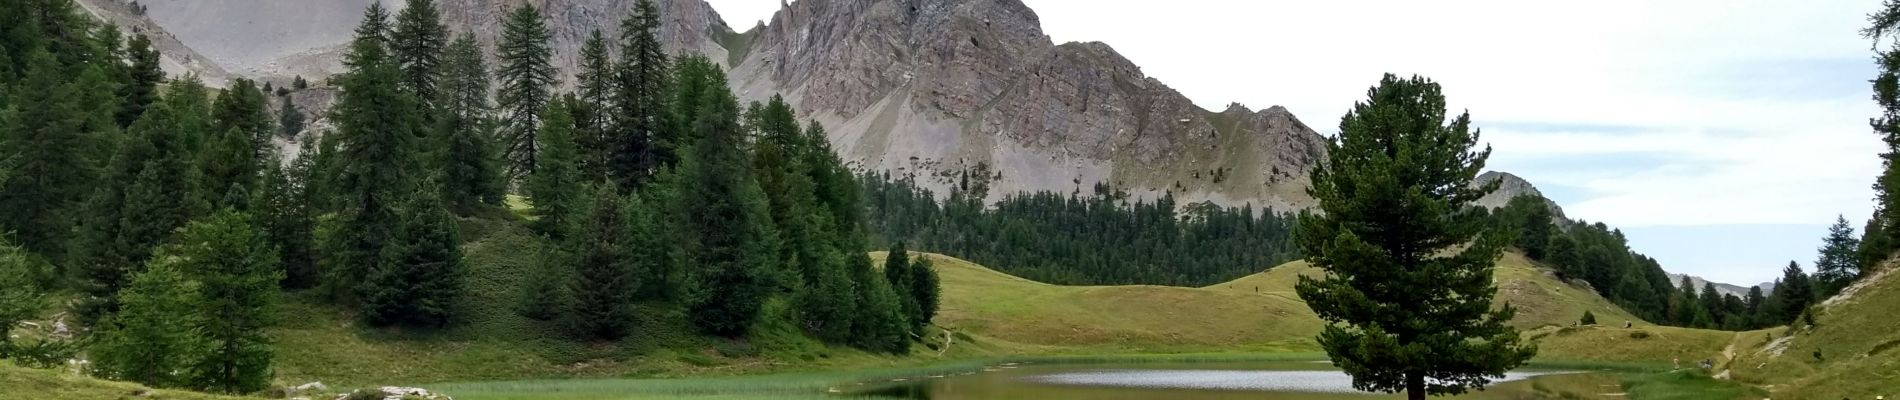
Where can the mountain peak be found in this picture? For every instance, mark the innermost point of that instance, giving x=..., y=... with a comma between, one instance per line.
x=1511, y=186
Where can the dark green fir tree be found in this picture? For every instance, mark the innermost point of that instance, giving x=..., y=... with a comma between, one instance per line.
x=1408, y=303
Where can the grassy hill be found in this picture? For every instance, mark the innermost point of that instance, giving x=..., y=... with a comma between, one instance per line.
x=1259, y=312
x=318, y=342
x=1853, y=351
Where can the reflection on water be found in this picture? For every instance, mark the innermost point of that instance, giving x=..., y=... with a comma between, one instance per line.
x=1266, y=380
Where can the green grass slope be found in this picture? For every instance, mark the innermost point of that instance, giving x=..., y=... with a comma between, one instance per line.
x=492, y=341
x=1261, y=312
x=1853, y=351
x=27, y=383
x=992, y=304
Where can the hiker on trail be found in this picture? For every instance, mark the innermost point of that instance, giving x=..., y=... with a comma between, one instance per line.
x=1677, y=362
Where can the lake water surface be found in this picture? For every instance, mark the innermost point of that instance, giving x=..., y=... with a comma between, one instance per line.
x=1211, y=381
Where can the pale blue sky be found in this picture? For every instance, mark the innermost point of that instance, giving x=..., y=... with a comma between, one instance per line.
x=1721, y=136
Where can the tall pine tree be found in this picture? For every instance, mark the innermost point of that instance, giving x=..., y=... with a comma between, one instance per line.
x=527, y=80
x=728, y=223
x=373, y=161
x=898, y=273
x=156, y=337
x=148, y=195
x=639, y=140
x=1404, y=303
x=242, y=108
x=289, y=120
x=1883, y=232
x=418, y=43
x=605, y=279
x=286, y=221
x=595, y=89
x=471, y=174
x=1793, y=293
x=1838, y=264
x=237, y=275
x=927, y=290
x=555, y=187
x=881, y=324
x=45, y=141
x=418, y=279
x=146, y=75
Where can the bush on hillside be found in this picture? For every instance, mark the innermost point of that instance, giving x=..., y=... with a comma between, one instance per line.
x=1588, y=318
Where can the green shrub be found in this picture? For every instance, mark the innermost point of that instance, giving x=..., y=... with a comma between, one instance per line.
x=1588, y=318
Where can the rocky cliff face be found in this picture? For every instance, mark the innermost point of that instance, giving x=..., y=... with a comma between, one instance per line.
x=932, y=88
x=175, y=57
x=278, y=39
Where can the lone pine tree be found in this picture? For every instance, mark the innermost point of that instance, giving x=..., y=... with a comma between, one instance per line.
x=1408, y=309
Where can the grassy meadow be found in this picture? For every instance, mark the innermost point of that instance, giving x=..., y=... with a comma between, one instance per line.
x=987, y=318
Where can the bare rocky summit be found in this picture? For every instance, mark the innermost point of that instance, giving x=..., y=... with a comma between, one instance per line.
x=1509, y=187
x=938, y=87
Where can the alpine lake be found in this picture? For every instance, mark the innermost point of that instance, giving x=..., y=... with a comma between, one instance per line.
x=1206, y=381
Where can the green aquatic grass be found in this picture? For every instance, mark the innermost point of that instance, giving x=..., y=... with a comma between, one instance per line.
x=1686, y=385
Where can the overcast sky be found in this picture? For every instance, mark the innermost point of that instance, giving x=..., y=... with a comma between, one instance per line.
x=1721, y=136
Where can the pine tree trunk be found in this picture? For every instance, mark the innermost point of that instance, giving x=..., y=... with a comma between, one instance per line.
x=1414, y=386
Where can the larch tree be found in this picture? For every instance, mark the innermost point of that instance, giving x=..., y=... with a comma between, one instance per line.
x=592, y=116
x=146, y=75
x=1408, y=290
x=555, y=186
x=729, y=225
x=157, y=335
x=148, y=195
x=289, y=120
x=926, y=289
x=244, y=109
x=286, y=221
x=472, y=175
x=373, y=162
x=881, y=324
x=21, y=297
x=237, y=275
x=605, y=278
x=44, y=140
x=639, y=99
x=418, y=43
x=899, y=274
x=527, y=78
x=418, y=278
x=694, y=77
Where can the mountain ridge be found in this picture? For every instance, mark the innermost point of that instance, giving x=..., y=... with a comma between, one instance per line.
x=927, y=88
